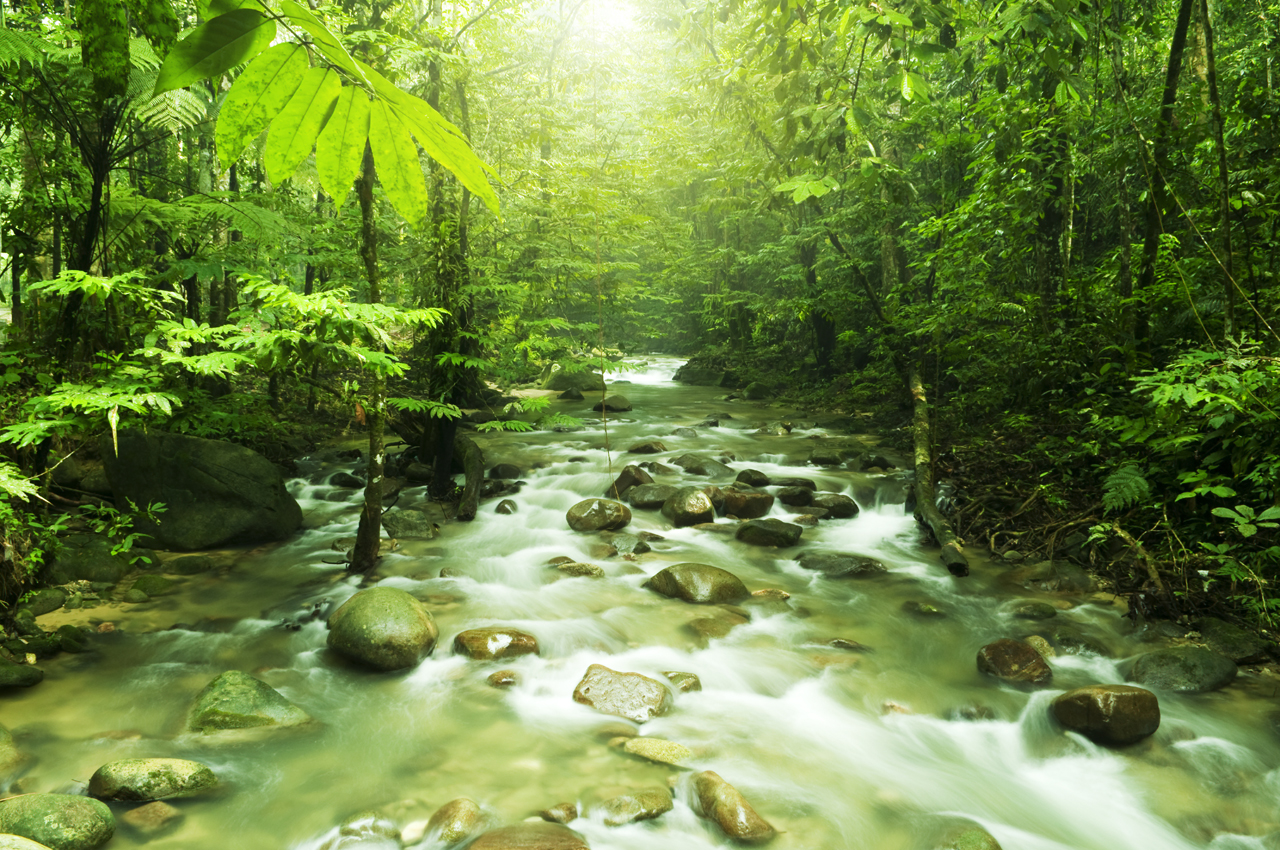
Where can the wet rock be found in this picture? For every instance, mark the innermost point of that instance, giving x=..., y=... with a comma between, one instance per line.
x=134, y=596
x=153, y=585
x=721, y=802
x=769, y=532
x=58, y=821
x=345, y=481
x=530, y=836
x=969, y=837
x=925, y=610
x=455, y=821
x=756, y=391
x=630, y=695
x=650, y=495
x=236, y=700
x=630, y=544
x=613, y=404
x=578, y=569
x=410, y=524
x=775, y=429
x=1067, y=577
x=143, y=780
x=17, y=842
x=713, y=628
x=87, y=557
x=493, y=643
x=506, y=506
x=701, y=584
x=151, y=820
x=796, y=482
x=571, y=394
x=384, y=628
x=646, y=804
x=189, y=565
x=631, y=476
x=805, y=521
x=747, y=505
x=797, y=497
x=841, y=565
x=503, y=679
x=1184, y=669
x=683, y=682
x=848, y=645
x=684, y=432
x=419, y=473
x=598, y=515
x=505, y=471
x=44, y=600
x=837, y=505
x=1041, y=646
x=752, y=478
x=1240, y=646
x=658, y=750
x=582, y=380
x=649, y=447
x=688, y=506
x=826, y=457
x=694, y=465
x=1109, y=714
x=1014, y=661
x=19, y=675
x=10, y=757
x=560, y=813
x=1034, y=611
x=1071, y=642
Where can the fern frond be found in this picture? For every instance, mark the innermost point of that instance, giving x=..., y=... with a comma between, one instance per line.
x=1124, y=487
x=13, y=484
x=173, y=111
x=17, y=47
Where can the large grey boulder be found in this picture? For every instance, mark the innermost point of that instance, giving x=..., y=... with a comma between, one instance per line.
x=236, y=700
x=144, y=780
x=598, y=515
x=1184, y=669
x=721, y=802
x=214, y=492
x=384, y=628
x=58, y=821
x=630, y=695
x=701, y=584
x=688, y=506
x=1109, y=714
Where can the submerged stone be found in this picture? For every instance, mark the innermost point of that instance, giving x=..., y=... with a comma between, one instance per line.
x=769, y=532
x=1014, y=661
x=646, y=804
x=1184, y=669
x=630, y=695
x=530, y=836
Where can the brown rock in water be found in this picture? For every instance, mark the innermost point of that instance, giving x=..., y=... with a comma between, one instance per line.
x=530, y=836
x=598, y=515
x=560, y=813
x=579, y=569
x=456, y=821
x=688, y=506
x=631, y=476
x=613, y=403
x=722, y=803
x=837, y=505
x=1014, y=661
x=489, y=644
x=1109, y=714
x=747, y=505
x=752, y=478
x=650, y=447
x=698, y=583
x=153, y=818
x=709, y=628
x=683, y=682
x=506, y=506
x=630, y=695
x=769, y=532
x=640, y=805
x=503, y=678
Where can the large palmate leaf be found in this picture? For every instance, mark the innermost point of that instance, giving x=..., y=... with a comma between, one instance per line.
x=257, y=97
x=328, y=45
x=340, y=148
x=293, y=132
x=215, y=47
x=396, y=158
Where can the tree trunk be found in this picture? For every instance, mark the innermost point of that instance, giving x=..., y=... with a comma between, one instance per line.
x=473, y=470
x=364, y=557
x=1224, y=186
x=926, y=499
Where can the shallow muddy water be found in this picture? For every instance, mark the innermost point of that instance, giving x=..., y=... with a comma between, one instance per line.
x=836, y=749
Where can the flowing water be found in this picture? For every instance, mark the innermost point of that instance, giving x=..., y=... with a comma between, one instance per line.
x=836, y=749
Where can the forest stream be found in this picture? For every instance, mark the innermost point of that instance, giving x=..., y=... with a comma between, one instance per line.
x=863, y=747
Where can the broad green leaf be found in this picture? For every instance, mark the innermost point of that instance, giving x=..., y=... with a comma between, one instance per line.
x=1227, y=513
x=325, y=41
x=919, y=86
x=257, y=97
x=207, y=9
x=396, y=158
x=214, y=47
x=1270, y=513
x=294, y=131
x=908, y=90
x=340, y=148
x=1060, y=94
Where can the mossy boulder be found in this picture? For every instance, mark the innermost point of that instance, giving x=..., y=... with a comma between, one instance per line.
x=19, y=675
x=144, y=780
x=236, y=700
x=153, y=585
x=58, y=821
x=87, y=557
x=384, y=628
x=1184, y=669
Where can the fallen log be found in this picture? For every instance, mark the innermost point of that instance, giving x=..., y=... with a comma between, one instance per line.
x=927, y=512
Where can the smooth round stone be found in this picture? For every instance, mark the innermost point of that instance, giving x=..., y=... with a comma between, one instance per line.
x=598, y=515
x=701, y=584
x=503, y=678
x=796, y=497
x=143, y=780
x=384, y=628
x=650, y=496
x=493, y=643
x=658, y=750
x=530, y=836
x=688, y=506
x=837, y=505
x=747, y=505
x=1014, y=661
x=455, y=821
x=641, y=805
x=560, y=813
x=724, y=804
x=1109, y=714
x=59, y=821
x=752, y=478
x=769, y=532
x=236, y=700
x=649, y=447
x=1184, y=669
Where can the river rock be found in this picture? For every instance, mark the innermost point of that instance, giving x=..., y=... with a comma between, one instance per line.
x=455, y=821
x=58, y=821
x=721, y=802
x=582, y=380
x=153, y=585
x=613, y=404
x=837, y=505
x=1109, y=714
x=236, y=700
x=769, y=532
x=10, y=757
x=701, y=584
x=755, y=391
x=1014, y=661
x=189, y=565
x=410, y=524
x=684, y=432
x=714, y=628
x=683, y=682
x=571, y=394
x=1034, y=611
x=968, y=837
x=151, y=820
x=752, y=478
x=1240, y=646
x=630, y=695
x=577, y=569
x=384, y=628
x=44, y=600
x=506, y=507
x=640, y=805
x=214, y=491
x=345, y=481
x=530, y=836
x=806, y=483
x=560, y=813
x=87, y=557
x=19, y=675
x=493, y=643
x=840, y=565
x=688, y=506
x=503, y=679
x=649, y=447
x=505, y=471
x=797, y=497
x=598, y=515
x=747, y=505
x=659, y=750
x=631, y=476
x=650, y=495
x=144, y=780
x=1184, y=669
x=694, y=465
x=826, y=457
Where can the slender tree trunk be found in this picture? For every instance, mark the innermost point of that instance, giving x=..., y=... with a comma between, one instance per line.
x=15, y=301
x=1224, y=186
x=364, y=557
x=927, y=512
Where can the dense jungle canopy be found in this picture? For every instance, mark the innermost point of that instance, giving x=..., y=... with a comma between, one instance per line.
x=1057, y=221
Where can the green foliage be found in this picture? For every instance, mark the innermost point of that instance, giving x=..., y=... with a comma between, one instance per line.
x=104, y=44
x=118, y=525
x=15, y=485
x=1125, y=487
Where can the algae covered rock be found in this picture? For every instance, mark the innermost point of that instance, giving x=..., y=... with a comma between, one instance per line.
x=237, y=700
x=143, y=780
x=384, y=628
x=455, y=821
x=58, y=821
x=1184, y=669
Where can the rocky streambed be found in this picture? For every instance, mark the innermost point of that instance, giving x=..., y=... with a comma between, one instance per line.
x=701, y=623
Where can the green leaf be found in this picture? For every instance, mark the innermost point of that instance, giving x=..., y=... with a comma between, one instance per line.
x=325, y=41
x=1224, y=492
x=1060, y=95
x=340, y=148
x=1227, y=513
x=294, y=131
x=215, y=47
x=919, y=86
x=396, y=158
x=1272, y=512
x=257, y=97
